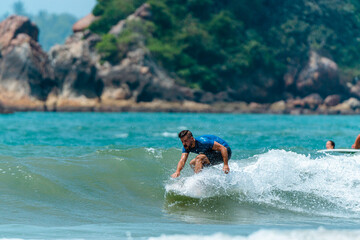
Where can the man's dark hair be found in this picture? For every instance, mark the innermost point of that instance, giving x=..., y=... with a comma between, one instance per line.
x=332, y=143
x=184, y=133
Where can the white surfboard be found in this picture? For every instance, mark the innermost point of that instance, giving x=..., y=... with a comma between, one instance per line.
x=341, y=151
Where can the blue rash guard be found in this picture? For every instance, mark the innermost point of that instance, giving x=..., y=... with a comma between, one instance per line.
x=204, y=145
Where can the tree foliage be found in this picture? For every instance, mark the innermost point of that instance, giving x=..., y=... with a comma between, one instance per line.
x=216, y=45
x=111, y=11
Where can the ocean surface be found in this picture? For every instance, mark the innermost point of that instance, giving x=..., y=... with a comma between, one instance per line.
x=107, y=176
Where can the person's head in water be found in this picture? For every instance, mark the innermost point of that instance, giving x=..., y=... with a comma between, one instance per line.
x=330, y=144
x=187, y=139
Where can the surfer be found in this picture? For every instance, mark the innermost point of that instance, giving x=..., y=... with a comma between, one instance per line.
x=356, y=145
x=212, y=150
x=330, y=144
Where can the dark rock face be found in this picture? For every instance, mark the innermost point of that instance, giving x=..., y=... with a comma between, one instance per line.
x=332, y=100
x=24, y=66
x=259, y=87
x=75, y=67
x=138, y=78
x=14, y=25
x=319, y=76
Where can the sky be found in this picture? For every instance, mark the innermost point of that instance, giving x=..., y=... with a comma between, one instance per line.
x=78, y=8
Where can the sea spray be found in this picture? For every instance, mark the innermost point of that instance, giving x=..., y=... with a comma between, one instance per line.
x=316, y=185
x=318, y=234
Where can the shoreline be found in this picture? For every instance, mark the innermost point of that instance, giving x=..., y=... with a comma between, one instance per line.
x=94, y=105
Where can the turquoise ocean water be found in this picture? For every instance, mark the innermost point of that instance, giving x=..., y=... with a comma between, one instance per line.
x=107, y=176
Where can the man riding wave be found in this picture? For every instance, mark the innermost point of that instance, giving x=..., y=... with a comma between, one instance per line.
x=212, y=150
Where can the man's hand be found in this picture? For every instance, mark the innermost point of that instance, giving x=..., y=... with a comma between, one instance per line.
x=226, y=169
x=175, y=175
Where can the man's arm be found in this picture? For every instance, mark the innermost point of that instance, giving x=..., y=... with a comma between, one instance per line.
x=218, y=147
x=181, y=164
x=356, y=145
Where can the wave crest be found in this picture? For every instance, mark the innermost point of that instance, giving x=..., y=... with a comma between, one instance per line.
x=321, y=184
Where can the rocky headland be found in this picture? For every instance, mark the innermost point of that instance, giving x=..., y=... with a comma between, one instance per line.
x=73, y=77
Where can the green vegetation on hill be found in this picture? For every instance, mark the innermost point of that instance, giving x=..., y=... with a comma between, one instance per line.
x=234, y=44
x=111, y=11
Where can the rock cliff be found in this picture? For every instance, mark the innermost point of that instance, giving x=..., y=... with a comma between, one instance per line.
x=73, y=77
x=26, y=77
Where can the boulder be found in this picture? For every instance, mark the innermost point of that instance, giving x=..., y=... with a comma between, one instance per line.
x=332, y=100
x=354, y=103
x=84, y=23
x=25, y=69
x=14, y=25
x=322, y=109
x=254, y=107
x=341, y=108
x=320, y=76
x=313, y=101
x=296, y=103
x=75, y=66
x=278, y=107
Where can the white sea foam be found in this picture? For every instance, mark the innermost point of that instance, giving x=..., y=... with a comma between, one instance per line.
x=169, y=134
x=122, y=135
x=326, y=185
x=155, y=152
x=318, y=234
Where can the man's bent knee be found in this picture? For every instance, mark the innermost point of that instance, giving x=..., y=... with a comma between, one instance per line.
x=201, y=158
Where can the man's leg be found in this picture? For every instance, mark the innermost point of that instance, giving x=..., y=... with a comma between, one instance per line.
x=197, y=163
x=200, y=160
x=192, y=164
